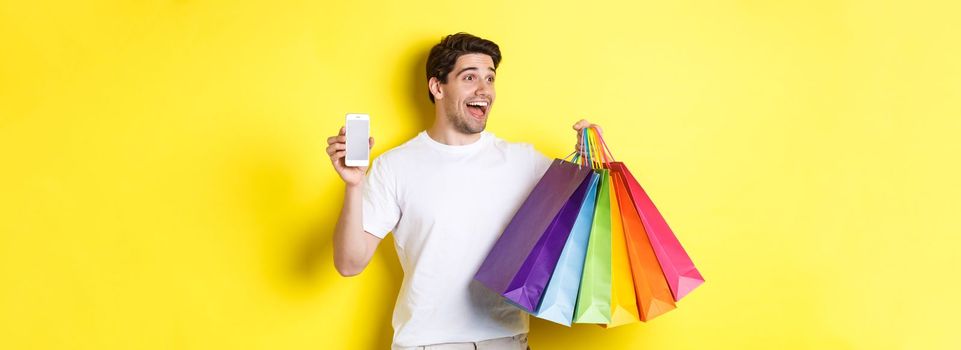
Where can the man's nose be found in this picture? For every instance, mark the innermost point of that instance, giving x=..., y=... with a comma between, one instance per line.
x=483, y=90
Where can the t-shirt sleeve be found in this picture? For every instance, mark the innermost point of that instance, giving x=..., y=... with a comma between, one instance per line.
x=380, y=210
x=540, y=162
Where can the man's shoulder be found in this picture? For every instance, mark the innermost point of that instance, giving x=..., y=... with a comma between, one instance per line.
x=524, y=149
x=511, y=145
x=401, y=151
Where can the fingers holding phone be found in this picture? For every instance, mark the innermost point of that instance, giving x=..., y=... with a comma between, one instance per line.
x=349, y=151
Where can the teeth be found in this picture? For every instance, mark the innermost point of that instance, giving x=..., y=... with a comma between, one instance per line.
x=477, y=104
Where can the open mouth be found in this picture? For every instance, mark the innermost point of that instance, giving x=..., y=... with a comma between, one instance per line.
x=478, y=109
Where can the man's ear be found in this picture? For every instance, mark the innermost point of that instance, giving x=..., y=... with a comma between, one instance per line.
x=434, y=85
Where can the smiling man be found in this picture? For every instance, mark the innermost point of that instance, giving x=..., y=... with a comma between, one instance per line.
x=447, y=194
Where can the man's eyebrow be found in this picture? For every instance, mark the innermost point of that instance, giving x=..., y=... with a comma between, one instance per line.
x=474, y=68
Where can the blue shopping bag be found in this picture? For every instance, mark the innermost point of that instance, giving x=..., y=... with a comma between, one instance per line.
x=560, y=296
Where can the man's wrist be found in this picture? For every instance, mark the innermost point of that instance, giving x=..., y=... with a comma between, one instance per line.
x=358, y=187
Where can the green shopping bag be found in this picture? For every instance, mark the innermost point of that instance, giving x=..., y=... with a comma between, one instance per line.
x=594, y=296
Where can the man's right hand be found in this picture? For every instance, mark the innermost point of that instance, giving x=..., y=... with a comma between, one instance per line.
x=337, y=150
x=353, y=247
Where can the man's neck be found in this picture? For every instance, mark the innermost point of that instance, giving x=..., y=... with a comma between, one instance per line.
x=447, y=135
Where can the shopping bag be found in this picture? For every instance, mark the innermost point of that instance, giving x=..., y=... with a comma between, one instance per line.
x=529, y=224
x=560, y=296
x=678, y=269
x=594, y=296
x=528, y=285
x=653, y=293
x=681, y=275
x=623, y=300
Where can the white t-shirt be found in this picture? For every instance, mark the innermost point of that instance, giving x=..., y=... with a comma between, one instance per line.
x=446, y=206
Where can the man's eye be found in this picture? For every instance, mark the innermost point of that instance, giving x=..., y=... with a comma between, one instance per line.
x=469, y=77
x=490, y=79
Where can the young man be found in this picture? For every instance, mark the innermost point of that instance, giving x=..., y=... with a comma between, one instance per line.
x=447, y=194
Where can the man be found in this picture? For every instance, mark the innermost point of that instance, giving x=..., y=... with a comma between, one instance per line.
x=447, y=194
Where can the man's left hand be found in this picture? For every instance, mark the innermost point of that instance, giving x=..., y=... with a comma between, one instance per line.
x=579, y=126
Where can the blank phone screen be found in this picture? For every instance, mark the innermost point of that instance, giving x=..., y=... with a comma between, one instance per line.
x=357, y=139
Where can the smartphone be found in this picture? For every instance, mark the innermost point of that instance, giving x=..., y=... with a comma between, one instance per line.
x=358, y=140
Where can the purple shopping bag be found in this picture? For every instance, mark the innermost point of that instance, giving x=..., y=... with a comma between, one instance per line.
x=530, y=281
x=529, y=224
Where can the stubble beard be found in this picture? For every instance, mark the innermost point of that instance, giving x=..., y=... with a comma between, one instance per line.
x=461, y=123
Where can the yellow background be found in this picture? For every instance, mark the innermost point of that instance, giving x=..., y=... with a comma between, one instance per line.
x=164, y=183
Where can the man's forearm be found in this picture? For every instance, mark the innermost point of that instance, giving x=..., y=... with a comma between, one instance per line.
x=351, y=253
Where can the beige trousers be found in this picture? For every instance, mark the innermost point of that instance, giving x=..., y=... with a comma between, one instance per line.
x=517, y=342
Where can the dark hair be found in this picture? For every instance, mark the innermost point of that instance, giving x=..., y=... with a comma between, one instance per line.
x=442, y=56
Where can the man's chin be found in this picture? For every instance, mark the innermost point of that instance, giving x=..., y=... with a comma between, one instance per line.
x=478, y=126
x=471, y=129
x=468, y=124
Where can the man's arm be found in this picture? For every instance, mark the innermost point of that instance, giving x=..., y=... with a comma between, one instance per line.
x=353, y=247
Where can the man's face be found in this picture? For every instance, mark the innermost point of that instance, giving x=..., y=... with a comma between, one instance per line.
x=468, y=95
